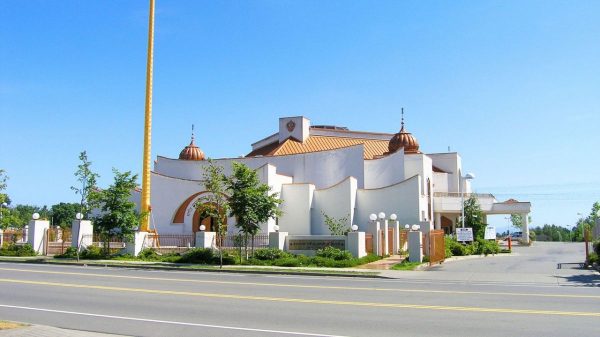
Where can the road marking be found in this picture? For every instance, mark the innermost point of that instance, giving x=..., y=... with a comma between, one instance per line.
x=281, y=285
x=301, y=300
x=279, y=332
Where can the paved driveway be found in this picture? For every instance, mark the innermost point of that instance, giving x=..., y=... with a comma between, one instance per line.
x=544, y=263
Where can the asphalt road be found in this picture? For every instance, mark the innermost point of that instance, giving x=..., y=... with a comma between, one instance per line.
x=162, y=303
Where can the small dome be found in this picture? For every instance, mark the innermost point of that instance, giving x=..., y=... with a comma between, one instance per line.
x=191, y=152
x=403, y=139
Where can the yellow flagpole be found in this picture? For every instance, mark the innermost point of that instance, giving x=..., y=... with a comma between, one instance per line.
x=146, y=209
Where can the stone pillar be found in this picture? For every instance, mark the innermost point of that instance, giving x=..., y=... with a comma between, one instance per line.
x=205, y=239
x=82, y=232
x=277, y=240
x=355, y=244
x=386, y=247
x=1, y=237
x=525, y=228
x=374, y=229
x=138, y=244
x=36, y=235
x=415, y=241
x=438, y=220
x=396, y=226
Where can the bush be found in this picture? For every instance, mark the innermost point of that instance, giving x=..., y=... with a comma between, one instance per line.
x=93, y=253
x=334, y=253
x=270, y=254
x=454, y=248
x=287, y=262
x=486, y=247
x=17, y=250
x=70, y=253
x=148, y=254
x=199, y=255
x=593, y=258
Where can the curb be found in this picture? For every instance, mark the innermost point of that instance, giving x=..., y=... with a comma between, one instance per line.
x=172, y=268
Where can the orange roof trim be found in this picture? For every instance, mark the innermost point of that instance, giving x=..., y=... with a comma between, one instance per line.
x=373, y=147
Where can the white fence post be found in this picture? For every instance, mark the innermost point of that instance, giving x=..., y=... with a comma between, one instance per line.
x=36, y=235
x=205, y=239
x=277, y=240
x=415, y=241
x=355, y=244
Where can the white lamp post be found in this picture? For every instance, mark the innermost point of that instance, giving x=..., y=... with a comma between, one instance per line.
x=354, y=228
x=373, y=217
x=35, y=216
x=202, y=228
x=468, y=176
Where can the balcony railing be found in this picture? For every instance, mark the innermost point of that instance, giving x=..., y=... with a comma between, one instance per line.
x=467, y=195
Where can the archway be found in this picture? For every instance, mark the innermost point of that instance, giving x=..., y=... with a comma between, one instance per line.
x=209, y=223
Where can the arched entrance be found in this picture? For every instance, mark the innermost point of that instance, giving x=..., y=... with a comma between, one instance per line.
x=209, y=223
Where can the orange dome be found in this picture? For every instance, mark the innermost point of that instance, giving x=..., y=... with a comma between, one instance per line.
x=403, y=139
x=191, y=152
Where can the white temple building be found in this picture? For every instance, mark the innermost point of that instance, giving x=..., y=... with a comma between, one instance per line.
x=328, y=170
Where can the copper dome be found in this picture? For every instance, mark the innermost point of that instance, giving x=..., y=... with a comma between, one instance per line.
x=404, y=139
x=191, y=152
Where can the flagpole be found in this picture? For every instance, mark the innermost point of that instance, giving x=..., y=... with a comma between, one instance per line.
x=145, y=202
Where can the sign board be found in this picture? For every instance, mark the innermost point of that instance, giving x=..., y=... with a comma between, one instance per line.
x=296, y=244
x=490, y=233
x=464, y=234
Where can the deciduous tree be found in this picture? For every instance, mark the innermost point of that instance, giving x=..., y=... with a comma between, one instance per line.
x=250, y=200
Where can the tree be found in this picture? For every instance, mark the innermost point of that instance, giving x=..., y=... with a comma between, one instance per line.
x=517, y=221
x=119, y=217
x=3, y=179
x=337, y=226
x=63, y=214
x=87, y=179
x=250, y=201
x=474, y=217
x=214, y=205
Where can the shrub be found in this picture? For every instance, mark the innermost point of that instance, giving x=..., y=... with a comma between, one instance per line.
x=454, y=248
x=269, y=254
x=92, y=253
x=148, y=254
x=287, y=262
x=597, y=247
x=334, y=253
x=70, y=253
x=486, y=247
x=199, y=255
x=12, y=249
x=593, y=258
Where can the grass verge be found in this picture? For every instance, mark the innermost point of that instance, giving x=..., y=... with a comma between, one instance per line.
x=405, y=265
x=4, y=325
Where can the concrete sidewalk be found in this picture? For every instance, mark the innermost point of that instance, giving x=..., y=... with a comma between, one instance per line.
x=48, y=331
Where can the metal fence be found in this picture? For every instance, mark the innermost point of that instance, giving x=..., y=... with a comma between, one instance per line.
x=57, y=240
x=171, y=243
x=17, y=236
x=114, y=244
x=237, y=241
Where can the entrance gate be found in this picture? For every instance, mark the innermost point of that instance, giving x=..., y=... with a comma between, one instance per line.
x=437, y=246
x=56, y=241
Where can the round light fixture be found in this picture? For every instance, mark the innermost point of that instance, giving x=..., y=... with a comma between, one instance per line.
x=202, y=228
x=407, y=226
x=381, y=215
x=415, y=227
x=373, y=216
x=35, y=216
x=276, y=228
x=79, y=216
x=393, y=217
x=354, y=228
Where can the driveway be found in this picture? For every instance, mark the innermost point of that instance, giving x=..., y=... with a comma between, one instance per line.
x=543, y=263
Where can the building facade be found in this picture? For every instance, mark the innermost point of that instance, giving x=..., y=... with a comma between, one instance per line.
x=330, y=170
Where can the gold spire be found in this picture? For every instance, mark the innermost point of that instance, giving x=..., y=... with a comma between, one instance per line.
x=145, y=207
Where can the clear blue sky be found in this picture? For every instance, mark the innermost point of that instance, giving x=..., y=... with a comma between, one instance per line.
x=514, y=86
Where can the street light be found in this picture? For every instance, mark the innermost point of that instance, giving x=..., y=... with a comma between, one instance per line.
x=468, y=176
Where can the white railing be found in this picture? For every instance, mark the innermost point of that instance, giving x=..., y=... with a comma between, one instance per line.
x=467, y=195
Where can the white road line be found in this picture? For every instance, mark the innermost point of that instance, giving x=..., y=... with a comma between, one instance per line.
x=281, y=332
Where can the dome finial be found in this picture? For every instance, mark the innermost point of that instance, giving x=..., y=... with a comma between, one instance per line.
x=192, y=133
x=402, y=124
